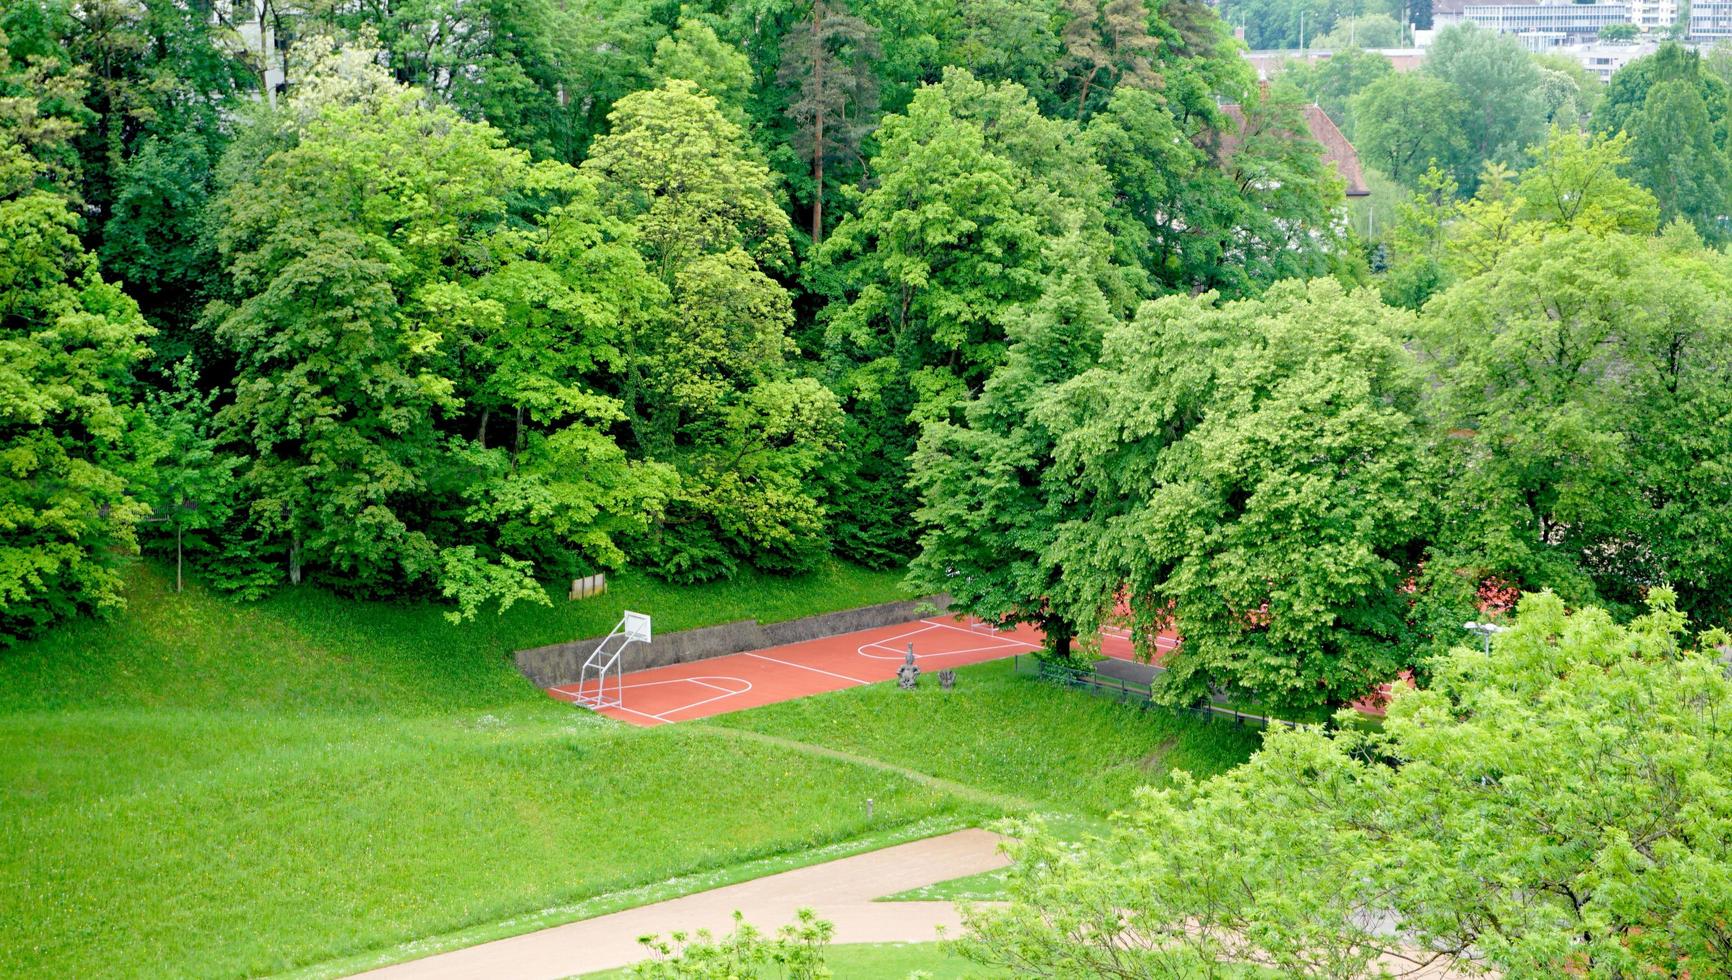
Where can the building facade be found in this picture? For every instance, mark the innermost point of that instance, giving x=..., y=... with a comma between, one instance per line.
x=1654, y=16
x=1603, y=60
x=261, y=36
x=1570, y=21
x=1710, y=20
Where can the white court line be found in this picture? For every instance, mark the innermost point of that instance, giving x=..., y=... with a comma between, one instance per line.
x=898, y=655
x=908, y=634
x=713, y=687
x=726, y=693
x=695, y=704
x=964, y=629
x=1161, y=642
x=677, y=680
x=658, y=719
x=815, y=670
x=1006, y=643
x=695, y=680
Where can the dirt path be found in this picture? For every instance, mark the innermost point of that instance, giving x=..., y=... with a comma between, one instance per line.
x=841, y=891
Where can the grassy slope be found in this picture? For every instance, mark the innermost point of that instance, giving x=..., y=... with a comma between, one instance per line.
x=199, y=788
x=203, y=789
x=306, y=648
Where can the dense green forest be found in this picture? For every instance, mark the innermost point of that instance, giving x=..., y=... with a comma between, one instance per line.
x=1052, y=299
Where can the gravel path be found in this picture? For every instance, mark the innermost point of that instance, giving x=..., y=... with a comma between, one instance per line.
x=841, y=891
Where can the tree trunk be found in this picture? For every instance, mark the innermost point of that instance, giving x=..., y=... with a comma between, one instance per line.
x=1059, y=634
x=295, y=558
x=1083, y=98
x=481, y=430
x=817, y=122
x=270, y=94
x=177, y=579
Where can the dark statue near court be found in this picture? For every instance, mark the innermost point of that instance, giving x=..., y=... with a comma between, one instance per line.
x=907, y=675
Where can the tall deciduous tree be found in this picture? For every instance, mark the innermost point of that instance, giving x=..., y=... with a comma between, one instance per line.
x=69, y=342
x=990, y=499
x=1501, y=88
x=370, y=261
x=1580, y=373
x=1627, y=93
x=694, y=52
x=1009, y=41
x=1674, y=110
x=1282, y=215
x=1557, y=807
x=1674, y=153
x=1577, y=181
x=973, y=182
x=707, y=387
x=1407, y=123
x=1256, y=476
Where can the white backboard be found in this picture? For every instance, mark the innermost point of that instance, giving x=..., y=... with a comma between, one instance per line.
x=637, y=627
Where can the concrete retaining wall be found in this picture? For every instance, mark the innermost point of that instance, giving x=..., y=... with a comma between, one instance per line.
x=558, y=664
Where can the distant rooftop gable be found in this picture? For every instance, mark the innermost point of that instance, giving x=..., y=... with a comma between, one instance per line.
x=1337, y=151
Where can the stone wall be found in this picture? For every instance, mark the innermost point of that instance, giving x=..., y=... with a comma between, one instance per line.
x=560, y=663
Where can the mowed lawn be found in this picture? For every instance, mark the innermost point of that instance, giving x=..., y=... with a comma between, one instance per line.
x=200, y=788
x=313, y=784
x=1059, y=749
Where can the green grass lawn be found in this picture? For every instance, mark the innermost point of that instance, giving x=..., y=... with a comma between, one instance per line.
x=314, y=784
x=308, y=649
x=1055, y=748
x=200, y=788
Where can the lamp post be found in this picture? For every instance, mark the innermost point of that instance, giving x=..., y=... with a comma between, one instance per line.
x=1486, y=630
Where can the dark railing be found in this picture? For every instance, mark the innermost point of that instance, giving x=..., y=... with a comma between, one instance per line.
x=1129, y=692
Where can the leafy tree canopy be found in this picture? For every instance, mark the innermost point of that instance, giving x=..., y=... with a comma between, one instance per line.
x=384, y=306
x=1503, y=92
x=69, y=343
x=706, y=386
x=1256, y=475
x=1555, y=807
x=972, y=182
x=1568, y=478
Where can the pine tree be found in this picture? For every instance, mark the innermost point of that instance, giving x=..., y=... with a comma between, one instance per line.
x=830, y=57
x=1108, y=43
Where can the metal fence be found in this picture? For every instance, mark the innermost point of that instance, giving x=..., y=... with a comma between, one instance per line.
x=1130, y=692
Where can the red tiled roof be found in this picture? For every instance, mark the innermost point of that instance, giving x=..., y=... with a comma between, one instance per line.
x=1337, y=152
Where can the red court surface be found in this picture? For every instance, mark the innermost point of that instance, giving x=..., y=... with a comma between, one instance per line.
x=701, y=688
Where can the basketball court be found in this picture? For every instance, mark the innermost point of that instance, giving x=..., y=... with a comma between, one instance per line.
x=701, y=688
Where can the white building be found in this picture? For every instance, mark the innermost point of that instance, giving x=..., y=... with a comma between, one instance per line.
x=260, y=36
x=1603, y=60
x=1547, y=21
x=1710, y=20
x=1653, y=16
